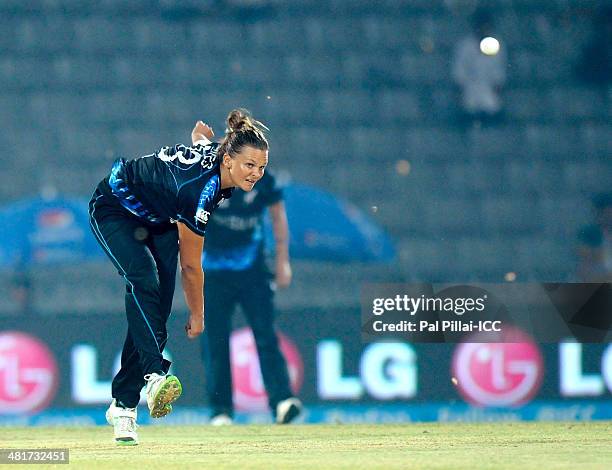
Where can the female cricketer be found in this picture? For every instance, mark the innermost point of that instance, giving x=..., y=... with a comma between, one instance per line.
x=237, y=274
x=147, y=214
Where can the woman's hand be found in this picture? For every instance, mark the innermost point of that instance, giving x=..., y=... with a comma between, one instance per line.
x=194, y=326
x=283, y=274
x=201, y=131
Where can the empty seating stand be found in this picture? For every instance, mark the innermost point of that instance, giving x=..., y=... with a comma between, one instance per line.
x=349, y=88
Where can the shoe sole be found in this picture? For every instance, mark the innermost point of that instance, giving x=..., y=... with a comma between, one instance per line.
x=126, y=442
x=168, y=393
x=292, y=413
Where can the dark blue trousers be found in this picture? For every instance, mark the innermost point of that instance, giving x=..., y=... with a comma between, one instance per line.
x=251, y=289
x=146, y=257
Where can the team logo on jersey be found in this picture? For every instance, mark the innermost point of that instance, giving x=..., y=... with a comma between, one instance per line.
x=202, y=215
x=189, y=155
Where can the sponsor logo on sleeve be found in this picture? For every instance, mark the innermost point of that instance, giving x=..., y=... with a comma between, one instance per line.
x=202, y=215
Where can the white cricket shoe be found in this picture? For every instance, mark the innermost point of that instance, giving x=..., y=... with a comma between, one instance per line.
x=162, y=391
x=221, y=420
x=124, y=424
x=111, y=411
x=287, y=410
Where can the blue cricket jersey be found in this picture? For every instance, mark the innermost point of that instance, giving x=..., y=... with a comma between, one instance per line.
x=178, y=183
x=234, y=239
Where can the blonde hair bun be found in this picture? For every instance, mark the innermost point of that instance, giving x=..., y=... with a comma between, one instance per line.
x=242, y=130
x=240, y=119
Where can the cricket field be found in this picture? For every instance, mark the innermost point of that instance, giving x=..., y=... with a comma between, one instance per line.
x=551, y=445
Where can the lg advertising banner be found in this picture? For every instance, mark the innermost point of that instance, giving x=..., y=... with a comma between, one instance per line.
x=68, y=362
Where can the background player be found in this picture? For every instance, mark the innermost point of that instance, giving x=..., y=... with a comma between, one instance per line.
x=237, y=274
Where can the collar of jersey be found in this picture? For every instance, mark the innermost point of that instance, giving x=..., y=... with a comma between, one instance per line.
x=227, y=192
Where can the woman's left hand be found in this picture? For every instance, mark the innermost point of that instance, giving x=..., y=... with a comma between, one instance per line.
x=200, y=131
x=283, y=274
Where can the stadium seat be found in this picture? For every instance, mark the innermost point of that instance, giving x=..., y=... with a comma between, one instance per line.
x=588, y=176
x=342, y=108
x=255, y=72
x=425, y=69
x=96, y=35
x=440, y=106
x=19, y=73
x=563, y=215
x=510, y=216
x=545, y=259
x=212, y=37
x=528, y=177
x=434, y=143
x=474, y=178
x=519, y=104
x=570, y=104
x=426, y=259
x=113, y=108
x=496, y=144
x=289, y=107
x=397, y=107
x=597, y=140
x=452, y=217
x=553, y=141
x=14, y=113
x=153, y=35
x=383, y=32
x=264, y=35
x=77, y=72
x=313, y=70
x=383, y=145
x=132, y=141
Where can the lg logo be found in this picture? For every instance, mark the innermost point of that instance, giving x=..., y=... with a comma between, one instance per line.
x=249, y=393
x=28, y=374
x=499, y=374
x=387, y=371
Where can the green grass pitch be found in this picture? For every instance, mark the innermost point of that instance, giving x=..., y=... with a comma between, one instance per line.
x=471, y=446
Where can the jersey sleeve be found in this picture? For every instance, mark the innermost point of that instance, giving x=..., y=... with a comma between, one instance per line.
x=271, y=190
x=195, y=213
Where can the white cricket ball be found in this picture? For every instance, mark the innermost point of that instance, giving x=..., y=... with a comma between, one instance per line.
x=489, y=46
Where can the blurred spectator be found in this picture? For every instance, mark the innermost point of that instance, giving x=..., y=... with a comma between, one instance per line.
x=595, y=243
x=595, y=66
x=480, y=73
